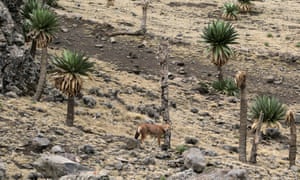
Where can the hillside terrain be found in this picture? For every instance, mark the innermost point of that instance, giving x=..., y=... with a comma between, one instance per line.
x=125, y=90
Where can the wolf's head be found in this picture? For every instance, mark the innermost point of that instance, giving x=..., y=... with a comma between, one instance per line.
x=165, y=127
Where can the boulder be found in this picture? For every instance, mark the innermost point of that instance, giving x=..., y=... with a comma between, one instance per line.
x=54, y=166
x=87, y=175
x=193, y=158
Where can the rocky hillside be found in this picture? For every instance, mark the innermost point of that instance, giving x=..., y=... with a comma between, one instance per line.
x=126, y=91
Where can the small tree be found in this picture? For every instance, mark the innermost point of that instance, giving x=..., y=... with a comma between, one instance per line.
x=219, y=35
x=43, y=25
x=67, y=77
x=240, y=80
x=26, y=12
x=163, y=53
x=290, y=120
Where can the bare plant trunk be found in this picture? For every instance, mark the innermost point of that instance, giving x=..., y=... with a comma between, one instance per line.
x=33, y=48
x=163, y=53
x=293, y=141
x=70, y=111
x=256, y=139
x=145, y=6
x=43, y=74
x=243, y=123
x=220, y=73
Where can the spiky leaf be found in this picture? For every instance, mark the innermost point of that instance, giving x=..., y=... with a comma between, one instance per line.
x=271, y=107
x=44, y=24
x=69, y=69
x=219, y=35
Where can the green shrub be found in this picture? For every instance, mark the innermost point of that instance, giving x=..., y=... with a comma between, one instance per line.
x=181, y=148
x=298, y=45
x=226, y=86
x=52, y=3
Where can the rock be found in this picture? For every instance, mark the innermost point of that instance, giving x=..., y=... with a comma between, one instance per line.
x=53, y=166
x=113, y=40
x=64, y=29
x=2, y=171
x=148, y=161
x=40, y=143
x=11, y=94
x=57, y=149
x=237, y=174
x=194, y=110
x=88, y=149
x=34, y=176
x=193, y=158
x=234, y=174
x=99, y=45
x=209, y=153
x=232, y=99
x=131, y=143
x=191, y=140
x=231, y=148
x=17, y=66
x=272, y=133
x=89, y=101
x=17, y=176
x=187, y=174
x=87, y=175
x=270, y=79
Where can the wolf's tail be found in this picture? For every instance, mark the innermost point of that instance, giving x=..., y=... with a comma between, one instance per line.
x=137, y=133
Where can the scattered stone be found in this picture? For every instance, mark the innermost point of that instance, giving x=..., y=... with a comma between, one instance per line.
x=112, y=40
x=204, y=114
x=191, y=140
x=194, y=110
x=272, y=133
x=64, y=29
x=193, y=158
x=176, y=163
x=88, y=149
x=34, y=176
x=148, y=161
x=17, y=176
x=99, y=45
x=187, y=174
x=11, y=94
x=270, y=79
x=231, y=149
x=2, y=171
x=54, y=166
x=131, y=143
x=88, y=175
x=164, y=155
x=89, y=101
x=209, y=153
x=40, y=143
x=234, y=174
x=57, y=149
x=232, y=99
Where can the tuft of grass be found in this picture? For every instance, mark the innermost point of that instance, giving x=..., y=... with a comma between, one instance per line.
x=163, y=178
x=227, y=86
x=298, y=45
x=181, y=148
x=266, y=44
x=270, y=35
